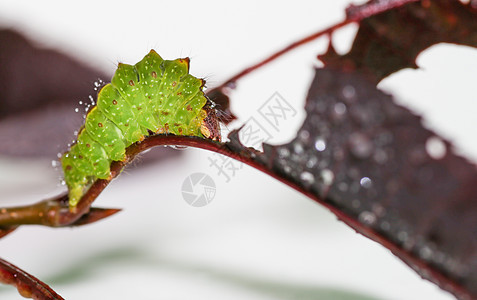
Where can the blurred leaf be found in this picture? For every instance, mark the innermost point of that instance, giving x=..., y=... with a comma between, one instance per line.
x=32, y=78
x=39, y=91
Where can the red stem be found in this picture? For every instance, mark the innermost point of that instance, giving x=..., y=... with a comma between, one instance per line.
x=354, y=13
x=301, y=42
x=65, y=217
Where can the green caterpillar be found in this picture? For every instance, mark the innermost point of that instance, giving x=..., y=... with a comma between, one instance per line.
x=154, y=95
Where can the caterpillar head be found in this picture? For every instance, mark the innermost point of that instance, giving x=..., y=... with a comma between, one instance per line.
x=210, y=126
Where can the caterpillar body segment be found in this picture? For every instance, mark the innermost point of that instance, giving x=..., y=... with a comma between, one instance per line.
x=154, y=95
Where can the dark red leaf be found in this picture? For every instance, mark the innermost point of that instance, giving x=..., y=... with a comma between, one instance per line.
x=375, y=165
x=390, y=41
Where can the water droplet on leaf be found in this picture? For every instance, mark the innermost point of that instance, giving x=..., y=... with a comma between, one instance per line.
x=366, y=182
x=367, y=218
x=311, y=162
x=349, y=92
x=320, y=144
x=435, y=147
x=340, y=108
x=327, y=176
x=298, y=148
x=307, y=177
x=283, y=152
x=361, y=145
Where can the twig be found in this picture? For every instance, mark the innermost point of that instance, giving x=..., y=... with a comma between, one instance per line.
x=51, y=213
x=28, y=286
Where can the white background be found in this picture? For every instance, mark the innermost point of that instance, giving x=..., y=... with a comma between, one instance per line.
x=258, y=239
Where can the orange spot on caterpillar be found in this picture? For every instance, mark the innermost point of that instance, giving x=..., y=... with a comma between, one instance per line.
x=88, y=145
x=205, y=131
x=149, y=97
x=80, y=156
x=127, y=124
x=100, y=124
x=184, y=60
x=166, y=126
x=179, y=93
x=154, y=74
x=131, y=83
x=115, y=102
x=177, y=124
x=189, y=108
x=68, y=167
x=180, y=130
x=174, y=83
x=139, y=108
x=164, y=113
